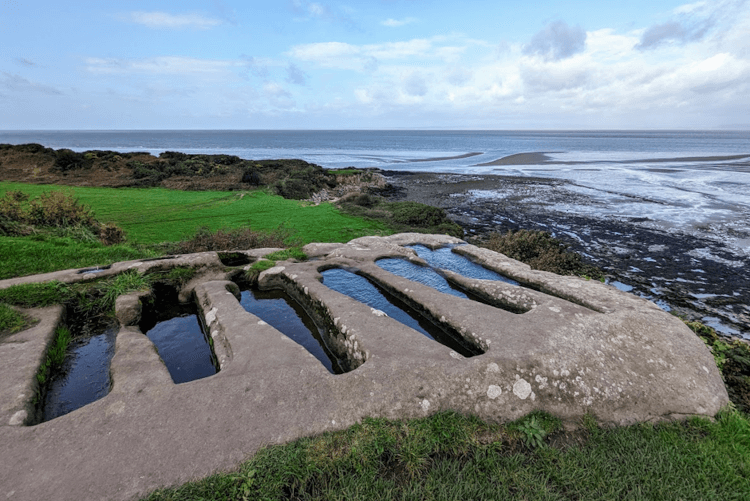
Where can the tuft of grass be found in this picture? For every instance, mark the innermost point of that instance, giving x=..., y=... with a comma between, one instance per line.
x=55, y=354
x=11, y=321
x=291, y=253
x=181, y=275
x=36, y=295
x=448, y=456
x=535, y=427
x=124, y=283
x=257, y=268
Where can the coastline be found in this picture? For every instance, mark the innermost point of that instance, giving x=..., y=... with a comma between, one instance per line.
x=695, y=277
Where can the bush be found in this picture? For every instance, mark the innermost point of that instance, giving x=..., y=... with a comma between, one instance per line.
x=60, y=211
x=111, y=234
x=416, y=214
x=56, y=208
x=68, y=160
x=294, y=189
x=541, y=251
x=251, y=177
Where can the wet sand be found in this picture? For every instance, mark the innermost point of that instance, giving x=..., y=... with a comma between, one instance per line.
x=440, y=159
x=543, y=158
x=696, y=277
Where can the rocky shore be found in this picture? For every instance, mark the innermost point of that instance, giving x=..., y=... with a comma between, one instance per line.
x=696, y=276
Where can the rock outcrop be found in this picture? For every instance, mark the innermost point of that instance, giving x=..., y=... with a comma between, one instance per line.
x=560, y=344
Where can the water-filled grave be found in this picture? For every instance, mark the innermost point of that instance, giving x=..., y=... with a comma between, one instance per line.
x=446, y=259
x=284, y=314
x=177, y=333
x=84, y=375
x=359, y=288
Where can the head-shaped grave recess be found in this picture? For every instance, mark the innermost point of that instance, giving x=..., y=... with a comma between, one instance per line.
x=486, y=336
x=177, y=334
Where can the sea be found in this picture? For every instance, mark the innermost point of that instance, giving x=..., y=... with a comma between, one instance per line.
x=684, y=180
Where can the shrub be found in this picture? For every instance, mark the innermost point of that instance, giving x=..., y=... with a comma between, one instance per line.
x=56, y=208
x=111, y=234
x=229, y=239
x=251, y=177
x=363, y=200
x=11, y=206
x=68, y=160
x=541, y=251
x=417, y=214
x=294, y=189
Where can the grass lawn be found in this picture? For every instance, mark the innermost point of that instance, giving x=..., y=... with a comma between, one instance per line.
x=151, y=216
x=448, y=456
x=155, y=215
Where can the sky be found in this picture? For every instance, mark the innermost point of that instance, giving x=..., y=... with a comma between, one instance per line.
x=375, y=64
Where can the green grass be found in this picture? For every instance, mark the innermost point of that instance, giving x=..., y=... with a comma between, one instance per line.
x=155, y=215
x=151, y=216
x=35, y=295
x=20, y=256
x=448, y=456
x=55, y=354
x=290, y=253
x=124, y=283
x=10, y=320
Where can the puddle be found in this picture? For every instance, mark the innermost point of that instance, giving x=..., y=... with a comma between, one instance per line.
x=284, y=314
x=361, y=289
x=621, y=286
x=96, y=269
x=176, y=331
x=446, y=259
x=84, y=376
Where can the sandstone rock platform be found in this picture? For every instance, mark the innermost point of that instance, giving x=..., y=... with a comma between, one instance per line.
x=564, y=345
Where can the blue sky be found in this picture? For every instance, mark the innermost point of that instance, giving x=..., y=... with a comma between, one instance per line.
x=304, y=64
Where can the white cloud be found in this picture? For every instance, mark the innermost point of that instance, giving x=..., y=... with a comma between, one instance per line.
x=295, y=75
x=366, y=57
x=164, y=65
x=397, y=23
x=689, y=8
x=17, y=83
x=415, y=85
x=557, y=41
x=164, y=20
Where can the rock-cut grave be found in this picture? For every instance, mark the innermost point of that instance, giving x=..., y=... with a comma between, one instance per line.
x=536, y=341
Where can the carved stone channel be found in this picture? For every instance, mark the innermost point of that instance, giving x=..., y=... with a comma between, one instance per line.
x=560, y=344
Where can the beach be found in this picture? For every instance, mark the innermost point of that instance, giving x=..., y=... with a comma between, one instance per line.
x=695, y=275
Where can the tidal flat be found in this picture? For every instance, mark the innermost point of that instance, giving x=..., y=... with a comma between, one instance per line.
x=699, y=272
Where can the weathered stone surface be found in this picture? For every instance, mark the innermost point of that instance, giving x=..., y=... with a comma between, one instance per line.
x=20, y=357
x=128, y=309
x=580, y=346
